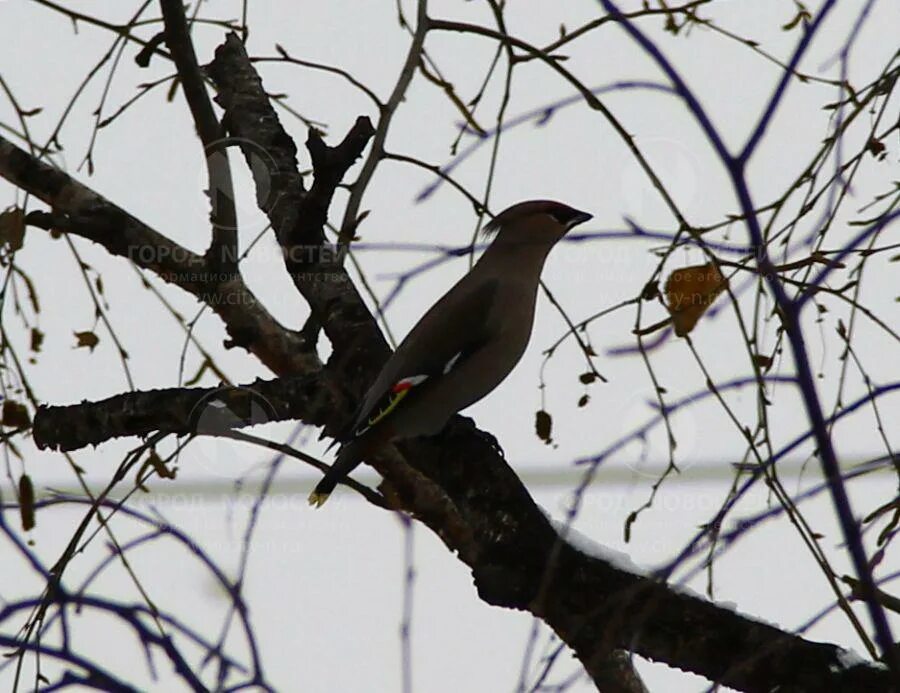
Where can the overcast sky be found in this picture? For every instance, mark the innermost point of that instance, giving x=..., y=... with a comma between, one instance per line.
x=325, y=589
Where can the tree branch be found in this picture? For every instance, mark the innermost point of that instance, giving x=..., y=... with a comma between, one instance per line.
x=298, y=216
x=222, y=254
x=413, y=56
x=788, y=309
x=455, y=482
x=476, y=504
x=309, y=398
x=80, y=211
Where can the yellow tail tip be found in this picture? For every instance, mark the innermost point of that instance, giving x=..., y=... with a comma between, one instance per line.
x=317, y=500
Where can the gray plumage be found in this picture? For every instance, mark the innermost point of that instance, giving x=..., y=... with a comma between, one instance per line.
x=467, y=342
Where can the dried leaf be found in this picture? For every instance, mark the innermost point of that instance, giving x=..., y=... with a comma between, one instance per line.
x=173, y=89
x=12, y=228
x=629, y=521
x=689, y=292
x=159, y=466
x=875, y=147
x=32, y=293
x=842, y=330
x=803, y=15
x=86, y=339
x=543, y=425
x=37, y=339
x=762, y=362
x=15, y=415
x=26, y=502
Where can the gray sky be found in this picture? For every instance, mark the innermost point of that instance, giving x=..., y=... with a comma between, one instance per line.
x=325, y=588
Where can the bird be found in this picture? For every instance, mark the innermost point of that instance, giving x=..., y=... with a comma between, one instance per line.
x=466, y=343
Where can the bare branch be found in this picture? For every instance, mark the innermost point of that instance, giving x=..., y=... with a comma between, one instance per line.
x=351, y=211
x=222, y=254
x=80, y=211
x=298, y=216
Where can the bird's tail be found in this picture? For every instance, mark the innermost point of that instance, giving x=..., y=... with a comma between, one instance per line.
x=348, y=459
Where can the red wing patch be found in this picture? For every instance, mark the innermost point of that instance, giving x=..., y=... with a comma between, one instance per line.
x=393, y=397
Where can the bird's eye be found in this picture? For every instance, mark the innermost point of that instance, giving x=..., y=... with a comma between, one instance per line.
x=568, y=217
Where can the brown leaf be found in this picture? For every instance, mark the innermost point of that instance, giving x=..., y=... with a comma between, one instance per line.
x=15, y=415
x=632, y=516
x=689, y=292
x=161, y=469
x=86, y=339
x=12, y=228
x=543, y=425
x=26, y=502
x=762, y=362
x=874, y=146
x=842, y=330
x=803, y=15
x=37, y=339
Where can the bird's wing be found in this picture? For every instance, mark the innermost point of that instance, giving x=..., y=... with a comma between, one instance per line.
x=431, y=350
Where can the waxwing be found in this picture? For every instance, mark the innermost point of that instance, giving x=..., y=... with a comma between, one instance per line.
x=465, y=345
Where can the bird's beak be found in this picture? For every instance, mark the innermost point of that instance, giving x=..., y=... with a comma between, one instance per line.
x=579, y=218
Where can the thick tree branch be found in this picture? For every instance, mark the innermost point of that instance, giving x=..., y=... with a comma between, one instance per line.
x=80, y=211
x=298, y=216
x=222, y=254
x=475, y=502
x=181, y=411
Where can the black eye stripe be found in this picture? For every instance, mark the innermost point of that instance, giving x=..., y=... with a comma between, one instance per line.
x=564, y=215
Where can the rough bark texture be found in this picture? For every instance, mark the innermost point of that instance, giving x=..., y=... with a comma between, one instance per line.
x=298, y=216
x=456, y=482
x=475, y=502
x=78, y=210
